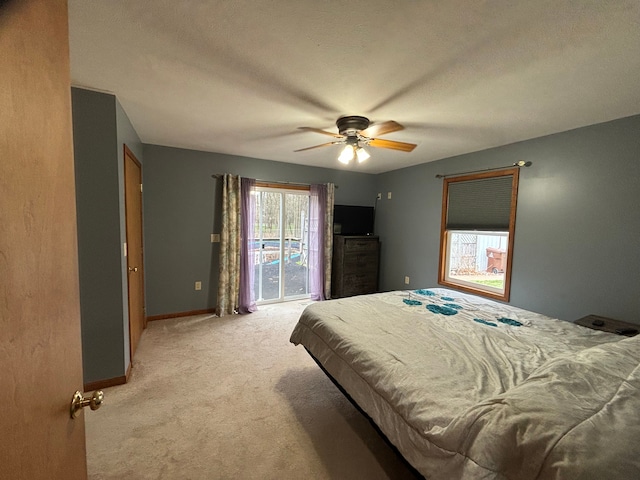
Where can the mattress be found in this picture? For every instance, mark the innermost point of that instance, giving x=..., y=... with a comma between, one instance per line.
x=431, y=366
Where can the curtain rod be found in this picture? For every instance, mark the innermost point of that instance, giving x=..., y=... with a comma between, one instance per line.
x=219, y=175
x=518, y=164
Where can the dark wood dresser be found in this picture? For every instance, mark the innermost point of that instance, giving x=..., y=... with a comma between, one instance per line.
x=354, y=270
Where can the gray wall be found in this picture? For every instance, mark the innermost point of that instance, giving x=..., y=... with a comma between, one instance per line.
x=100, y=126
x=126, y=135
x=182, y=209
x=577, y=228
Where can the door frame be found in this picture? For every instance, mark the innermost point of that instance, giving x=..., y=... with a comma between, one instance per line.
x=128, y=153
x=283, y=190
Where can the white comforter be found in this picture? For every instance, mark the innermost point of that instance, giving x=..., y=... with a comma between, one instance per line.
x=468, y=396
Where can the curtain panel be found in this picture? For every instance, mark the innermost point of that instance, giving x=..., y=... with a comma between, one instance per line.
x=320, y=240
x=247, y=301
x=229, y=259
x=236, y=260
x=328, y=239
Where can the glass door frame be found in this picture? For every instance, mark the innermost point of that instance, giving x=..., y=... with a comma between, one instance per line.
x=282, y=191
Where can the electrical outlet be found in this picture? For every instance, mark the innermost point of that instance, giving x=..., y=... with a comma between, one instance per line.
x=198, y=285
x=215, y=238
x=388, y=195
x=379, y=197
x=406, y=280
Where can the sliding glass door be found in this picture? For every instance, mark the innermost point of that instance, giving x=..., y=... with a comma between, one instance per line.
x=281, y=244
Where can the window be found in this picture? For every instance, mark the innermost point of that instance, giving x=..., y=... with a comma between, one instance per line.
x=476, y=240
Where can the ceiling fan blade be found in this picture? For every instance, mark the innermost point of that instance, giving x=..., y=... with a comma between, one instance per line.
x=393, y=145
x=317, y=146
x=324, y=132
x=381, y=129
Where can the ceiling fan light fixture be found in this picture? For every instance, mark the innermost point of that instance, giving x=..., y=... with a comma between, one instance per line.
x=347, y=154
x=362, y=154
x=356, y=132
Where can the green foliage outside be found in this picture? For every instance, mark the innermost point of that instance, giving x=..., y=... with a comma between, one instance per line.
x=268, y=207
x=491, y=283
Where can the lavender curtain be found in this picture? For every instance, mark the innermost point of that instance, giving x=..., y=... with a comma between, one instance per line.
x=320, y=240
x=247, y=299
x=229, y=259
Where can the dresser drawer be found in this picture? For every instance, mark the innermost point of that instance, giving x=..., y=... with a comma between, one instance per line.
x=352, y=245
x=359, y=284
x=361, y=262
x=360, y=280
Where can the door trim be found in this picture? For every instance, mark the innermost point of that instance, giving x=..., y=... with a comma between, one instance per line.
x=283, y=190
x=127, y=152
x=109, y=382
x=165, y=316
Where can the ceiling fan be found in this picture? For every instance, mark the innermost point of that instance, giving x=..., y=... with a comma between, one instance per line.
x=355, y=133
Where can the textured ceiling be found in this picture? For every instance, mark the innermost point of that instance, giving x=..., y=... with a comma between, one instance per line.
x=240, y=76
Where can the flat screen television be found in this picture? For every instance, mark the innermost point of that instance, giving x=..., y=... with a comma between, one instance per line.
x=353, y=220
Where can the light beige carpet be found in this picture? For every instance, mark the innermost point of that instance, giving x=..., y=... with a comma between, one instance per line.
x=231, y=398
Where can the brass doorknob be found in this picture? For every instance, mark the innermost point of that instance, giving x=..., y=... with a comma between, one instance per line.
x=133, y=269
x=78, y=402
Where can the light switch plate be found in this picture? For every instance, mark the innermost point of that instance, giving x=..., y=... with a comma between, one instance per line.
x=215, y=238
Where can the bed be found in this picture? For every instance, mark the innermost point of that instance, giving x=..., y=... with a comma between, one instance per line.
x=465, y=387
